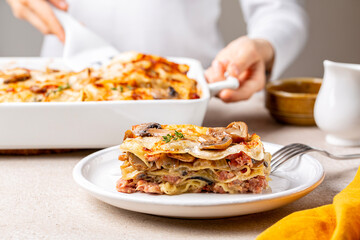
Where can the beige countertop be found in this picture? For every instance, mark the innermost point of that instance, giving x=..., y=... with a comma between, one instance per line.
x=40, y=200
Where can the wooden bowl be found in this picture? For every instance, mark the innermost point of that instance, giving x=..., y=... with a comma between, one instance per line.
x=292, y=100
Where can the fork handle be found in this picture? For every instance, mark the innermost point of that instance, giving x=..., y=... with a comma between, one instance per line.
x=338, y=157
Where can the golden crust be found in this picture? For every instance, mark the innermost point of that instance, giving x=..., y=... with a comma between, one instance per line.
x=167, y=140
x=130, y=76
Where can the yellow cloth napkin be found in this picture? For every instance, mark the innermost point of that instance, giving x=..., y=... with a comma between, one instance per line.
x=339, y=220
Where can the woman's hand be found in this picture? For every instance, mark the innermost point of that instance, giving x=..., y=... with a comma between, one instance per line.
x=246, y=59
x=40, y=15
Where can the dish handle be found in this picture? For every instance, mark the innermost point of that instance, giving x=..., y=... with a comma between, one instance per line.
x=229, y=83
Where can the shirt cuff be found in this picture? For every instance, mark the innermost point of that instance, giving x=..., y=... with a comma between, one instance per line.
x=287, y=44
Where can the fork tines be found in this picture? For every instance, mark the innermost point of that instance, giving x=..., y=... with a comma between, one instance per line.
x=286, y=153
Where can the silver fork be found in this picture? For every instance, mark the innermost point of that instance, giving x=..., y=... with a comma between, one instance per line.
x=298, y=149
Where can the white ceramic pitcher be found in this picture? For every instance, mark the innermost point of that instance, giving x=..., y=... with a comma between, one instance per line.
x=337, y=107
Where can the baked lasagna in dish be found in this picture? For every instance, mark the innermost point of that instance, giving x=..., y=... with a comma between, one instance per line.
x=129, y=76
x=175, y=159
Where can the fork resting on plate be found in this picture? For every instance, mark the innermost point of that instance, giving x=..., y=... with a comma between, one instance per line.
x=298, y=149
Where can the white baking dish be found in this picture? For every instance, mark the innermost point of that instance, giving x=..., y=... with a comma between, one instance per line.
x=94, y=124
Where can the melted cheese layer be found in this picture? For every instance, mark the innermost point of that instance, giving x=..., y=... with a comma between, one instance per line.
x=130, y=76
x=155, y=145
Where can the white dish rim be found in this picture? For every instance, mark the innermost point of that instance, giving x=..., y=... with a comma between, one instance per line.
x=94, y=189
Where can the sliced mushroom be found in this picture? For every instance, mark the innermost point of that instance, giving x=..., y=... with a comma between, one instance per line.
x=238, y=131
x=172, y=92
x=266, y=164
x=153, y=132
x=203, y=179
x=216, y=132
x=37, y=89
x=140, y=176
x=143, y=130
x=143, y=176
x=167, y=162
x=216, y=138
x=256, y=163
x=184, y=157
x=15, y=75
x=136, y=162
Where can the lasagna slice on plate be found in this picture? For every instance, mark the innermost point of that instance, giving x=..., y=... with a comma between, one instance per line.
x=175, y=159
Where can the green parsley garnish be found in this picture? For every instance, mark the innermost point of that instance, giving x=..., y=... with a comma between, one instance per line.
x=176, y=136
x=167, y=138
x=121, y=89
x=130, y=87
x=61, y=88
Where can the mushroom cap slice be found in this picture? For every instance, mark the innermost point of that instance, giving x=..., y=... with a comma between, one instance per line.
x=144, y=130
x=238, y=131
x=136, y=162
x=154, y=132
x=15, y=75
x=216, y=138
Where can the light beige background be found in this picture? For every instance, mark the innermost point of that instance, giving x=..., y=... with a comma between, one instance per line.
x=334, y=34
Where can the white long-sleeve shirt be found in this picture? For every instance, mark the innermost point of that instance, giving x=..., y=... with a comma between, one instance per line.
x=188, y=28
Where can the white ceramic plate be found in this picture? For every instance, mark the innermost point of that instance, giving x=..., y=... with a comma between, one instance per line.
x=98, y=173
